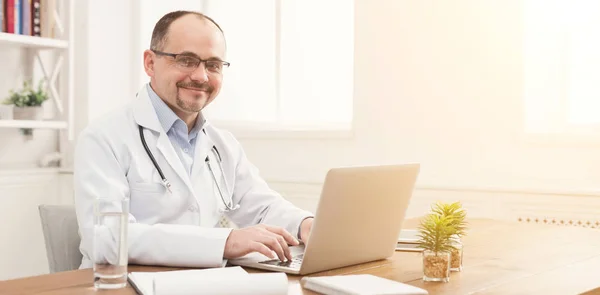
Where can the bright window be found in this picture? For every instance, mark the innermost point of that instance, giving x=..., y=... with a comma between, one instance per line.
x=562, y=66
x=291, y=61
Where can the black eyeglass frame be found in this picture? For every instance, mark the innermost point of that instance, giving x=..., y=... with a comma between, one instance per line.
x=175, y=55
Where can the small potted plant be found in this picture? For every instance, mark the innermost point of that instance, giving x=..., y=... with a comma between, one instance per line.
x=458, y=215
x=27, y=102
x=435, y=237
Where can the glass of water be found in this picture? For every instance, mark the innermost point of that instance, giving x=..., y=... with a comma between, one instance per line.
x=110, y=243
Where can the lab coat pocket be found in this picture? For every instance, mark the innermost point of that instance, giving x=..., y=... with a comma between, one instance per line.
x=150, y=202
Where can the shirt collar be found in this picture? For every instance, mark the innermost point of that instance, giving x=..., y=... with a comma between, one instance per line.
x=167, y=117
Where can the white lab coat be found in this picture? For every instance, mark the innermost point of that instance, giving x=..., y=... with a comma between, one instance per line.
x=177, y=229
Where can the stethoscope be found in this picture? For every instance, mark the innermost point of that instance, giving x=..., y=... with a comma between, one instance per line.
x=228, y=205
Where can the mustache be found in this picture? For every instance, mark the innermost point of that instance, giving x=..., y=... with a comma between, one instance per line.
x=196, y=86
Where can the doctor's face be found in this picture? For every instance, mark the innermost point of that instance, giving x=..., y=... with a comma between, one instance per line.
x=187, y=71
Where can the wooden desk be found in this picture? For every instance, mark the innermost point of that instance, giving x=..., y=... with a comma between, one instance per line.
x=500, y=258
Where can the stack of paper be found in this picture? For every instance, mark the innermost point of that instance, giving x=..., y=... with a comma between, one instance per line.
x=228, y=280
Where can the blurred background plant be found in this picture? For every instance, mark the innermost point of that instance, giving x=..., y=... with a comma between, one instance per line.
x=27, y=96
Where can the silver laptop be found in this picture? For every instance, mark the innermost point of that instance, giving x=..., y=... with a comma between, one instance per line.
x=358, y=219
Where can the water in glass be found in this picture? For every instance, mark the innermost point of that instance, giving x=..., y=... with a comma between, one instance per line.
x=110, y=244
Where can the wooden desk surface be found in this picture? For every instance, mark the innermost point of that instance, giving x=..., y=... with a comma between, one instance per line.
x=499, y=258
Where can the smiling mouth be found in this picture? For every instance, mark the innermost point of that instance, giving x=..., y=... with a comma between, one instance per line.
x=195, y=89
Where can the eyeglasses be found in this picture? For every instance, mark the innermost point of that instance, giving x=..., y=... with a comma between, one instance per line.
x=190, y=63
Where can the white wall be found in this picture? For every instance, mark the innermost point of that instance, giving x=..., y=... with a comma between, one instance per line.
x=22, y=251
x=440, y=83
x=105, y=59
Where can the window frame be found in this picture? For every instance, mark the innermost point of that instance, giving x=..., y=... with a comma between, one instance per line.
x=279, y=130
x=259, y=130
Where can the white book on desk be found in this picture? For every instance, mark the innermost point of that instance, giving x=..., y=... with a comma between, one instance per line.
x=408, y=241
x=228, y=280
x=359, y=285
x=409, y=236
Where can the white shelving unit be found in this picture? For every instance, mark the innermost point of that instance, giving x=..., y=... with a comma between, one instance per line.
x=29, y=124
x=23, y=41
x=58, y=77
x=36, y=43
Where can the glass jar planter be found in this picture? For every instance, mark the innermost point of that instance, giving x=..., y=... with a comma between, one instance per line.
x=436, y=266
x=456, y=255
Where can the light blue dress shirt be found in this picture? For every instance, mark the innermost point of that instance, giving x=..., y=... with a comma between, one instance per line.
x=183, y=142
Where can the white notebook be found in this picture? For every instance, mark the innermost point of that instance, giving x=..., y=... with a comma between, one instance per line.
x=408, y=241
x=228, y=280
x=359, y=285
x=409, y=236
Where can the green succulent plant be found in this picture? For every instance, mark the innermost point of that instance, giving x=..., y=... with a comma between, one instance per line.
x=435, y=232
x=457, y=214
x=27, y=96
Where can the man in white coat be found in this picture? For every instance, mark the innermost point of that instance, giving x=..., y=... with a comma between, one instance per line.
x=177, y=224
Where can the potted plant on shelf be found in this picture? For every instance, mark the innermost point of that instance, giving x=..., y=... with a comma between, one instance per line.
x=435, y=237
x=27, y=102
x=459, y=226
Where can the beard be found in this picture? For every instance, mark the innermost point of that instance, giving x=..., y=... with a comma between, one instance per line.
x=198, y=102
x=193, y=107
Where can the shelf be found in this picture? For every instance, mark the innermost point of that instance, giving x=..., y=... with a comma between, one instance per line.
x=27, y=171
x=31, y=41
x=28, y=124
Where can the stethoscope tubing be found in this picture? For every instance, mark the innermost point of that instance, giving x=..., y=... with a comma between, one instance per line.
x=228, y=205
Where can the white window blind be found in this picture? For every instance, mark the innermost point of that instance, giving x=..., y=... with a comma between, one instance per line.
x=562, y=65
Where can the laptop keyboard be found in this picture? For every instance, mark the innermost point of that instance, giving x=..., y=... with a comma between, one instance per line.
x=294, y=263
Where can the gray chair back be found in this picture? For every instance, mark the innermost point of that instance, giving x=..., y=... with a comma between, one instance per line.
x=59, y=224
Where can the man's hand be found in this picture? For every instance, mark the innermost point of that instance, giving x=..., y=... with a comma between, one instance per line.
x=305, y=228
x=260, y=238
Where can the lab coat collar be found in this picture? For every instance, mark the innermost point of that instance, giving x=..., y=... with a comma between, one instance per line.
x=143, y=111
x=164, y=113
